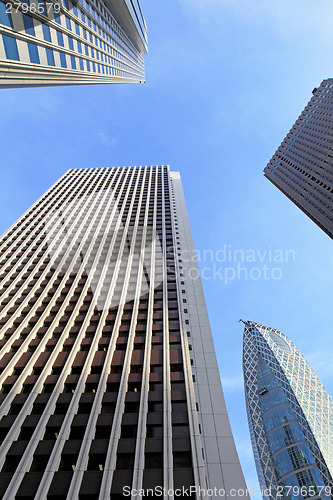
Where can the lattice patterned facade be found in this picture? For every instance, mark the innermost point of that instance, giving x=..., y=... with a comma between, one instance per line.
x=302, y=166
x=108, y=370
x=290, y=417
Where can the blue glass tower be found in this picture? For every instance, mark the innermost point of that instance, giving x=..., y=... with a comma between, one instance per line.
x=290, y=418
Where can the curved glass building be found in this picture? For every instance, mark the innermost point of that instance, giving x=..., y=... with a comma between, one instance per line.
x=290, y=417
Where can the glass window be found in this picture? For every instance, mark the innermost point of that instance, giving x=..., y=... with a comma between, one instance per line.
x=10, y=47
x=278, y=416
x=77, y=29
x=5, y=18
x=42, y=9
x=83, y=17
x=50, y=57
x=57, y=17
x=88, y=65
x=70, y=43
x=26, y=1
x=93, y=67
x=46, y=33
x=65, y=2
x=87, y=50
x=60, y=39
x=33, y=53
x=75, y=11
x=92, y=53
x=73, y=62
x=63, y=60
x=68, y=23
x=284, y=436
x=79, y=47
x=28, y=24
x=272, y=398
x=81, y=64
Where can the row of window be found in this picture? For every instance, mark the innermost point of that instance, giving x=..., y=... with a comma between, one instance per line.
x=57, y=58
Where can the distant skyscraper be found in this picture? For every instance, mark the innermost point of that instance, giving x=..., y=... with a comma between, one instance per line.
x=108, y=371
x=66, y=42
x=290, y=417
x=302, y=167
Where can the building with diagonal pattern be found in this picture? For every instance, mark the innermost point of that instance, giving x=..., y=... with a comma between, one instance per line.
x=290, y=416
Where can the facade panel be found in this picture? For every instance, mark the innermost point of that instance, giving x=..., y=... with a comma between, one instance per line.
x=108, y=372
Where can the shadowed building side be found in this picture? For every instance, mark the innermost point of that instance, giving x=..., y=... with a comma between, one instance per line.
x=302, y=166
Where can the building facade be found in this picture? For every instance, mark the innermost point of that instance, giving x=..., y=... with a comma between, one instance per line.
x=65, y=42
x=290, y=418
x=302, y=166
x=108, y=371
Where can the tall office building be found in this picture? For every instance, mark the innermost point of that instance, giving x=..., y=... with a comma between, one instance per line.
x=69, y=42
x=290, y=417
x=108, y=371
x=302, y=167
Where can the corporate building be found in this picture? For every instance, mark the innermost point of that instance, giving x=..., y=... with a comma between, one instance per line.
x=108, y=371
x=290, y=417
x=69, y=42
x=302, y=167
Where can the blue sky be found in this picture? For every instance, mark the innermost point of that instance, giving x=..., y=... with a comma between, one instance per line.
x=225, y=81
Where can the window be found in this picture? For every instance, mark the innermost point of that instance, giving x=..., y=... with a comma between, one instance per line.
x=33, y=53
x=5, y=18
x=10, y=47
x=70, y=43
x=50, y=57
x=79, y=47
x=63, y=60
x=46, y=33
x=57, y=17
x=68, y=24
x=28, y=24
x=42, y=9
x=73, y=62
x=60, y=39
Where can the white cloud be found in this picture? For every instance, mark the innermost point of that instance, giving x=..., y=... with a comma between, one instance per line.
x=233, y=383
x=106, y=140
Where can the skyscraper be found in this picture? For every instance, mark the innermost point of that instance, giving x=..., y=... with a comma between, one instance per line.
x=109, y=376
x=302, y=167
x=290, y=417
x=65, y=42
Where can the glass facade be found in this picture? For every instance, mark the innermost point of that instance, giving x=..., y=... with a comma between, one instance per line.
x=112, y=43
x=293, y=454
